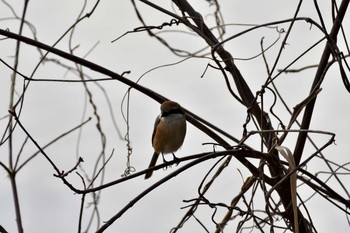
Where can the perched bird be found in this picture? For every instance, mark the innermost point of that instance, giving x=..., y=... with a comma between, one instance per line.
x=168, y=133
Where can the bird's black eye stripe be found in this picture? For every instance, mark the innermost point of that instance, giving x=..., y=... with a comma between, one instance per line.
x=172, y=111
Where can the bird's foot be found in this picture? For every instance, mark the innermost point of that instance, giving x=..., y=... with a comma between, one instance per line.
x=176, y=160
x=167, y=163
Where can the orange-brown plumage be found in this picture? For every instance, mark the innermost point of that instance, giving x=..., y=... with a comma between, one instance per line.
x=169, y=131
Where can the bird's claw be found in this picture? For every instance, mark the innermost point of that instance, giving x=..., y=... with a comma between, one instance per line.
x=166, y=163
x=175, y=160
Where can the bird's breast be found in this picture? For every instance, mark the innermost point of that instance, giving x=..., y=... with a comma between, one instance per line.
x=170, y=133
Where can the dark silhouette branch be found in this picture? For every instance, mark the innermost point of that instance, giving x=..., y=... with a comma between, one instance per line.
x=319, y=76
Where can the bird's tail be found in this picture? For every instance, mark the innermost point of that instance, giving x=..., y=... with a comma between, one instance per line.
x=152, y=164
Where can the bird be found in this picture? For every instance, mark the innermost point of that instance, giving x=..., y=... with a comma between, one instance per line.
x=168, y=133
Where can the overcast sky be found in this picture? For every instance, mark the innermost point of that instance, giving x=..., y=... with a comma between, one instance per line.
x=52, y=108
